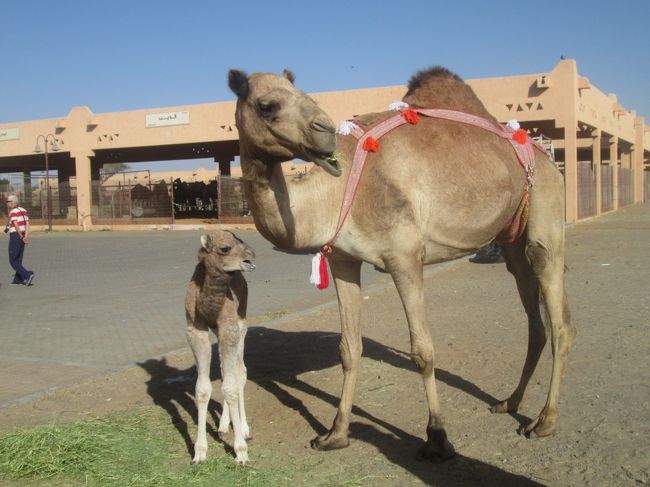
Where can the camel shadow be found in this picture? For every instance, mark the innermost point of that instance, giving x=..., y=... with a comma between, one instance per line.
x=276, y=359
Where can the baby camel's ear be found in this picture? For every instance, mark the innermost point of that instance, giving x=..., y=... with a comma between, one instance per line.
x=206, y=242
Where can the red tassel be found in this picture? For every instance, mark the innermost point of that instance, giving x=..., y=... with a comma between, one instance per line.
x=520, y=136
x=324, y=275
x=371, y=145
x=411, y=116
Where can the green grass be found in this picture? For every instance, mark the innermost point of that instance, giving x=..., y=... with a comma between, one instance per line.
x=126, y=451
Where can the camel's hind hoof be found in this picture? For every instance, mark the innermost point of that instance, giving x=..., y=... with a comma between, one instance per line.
x=437, y=448
x=330, y=442
x=507, y=406
x=543, y=426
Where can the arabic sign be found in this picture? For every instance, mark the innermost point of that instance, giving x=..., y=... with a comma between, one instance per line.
x=10, y=134
x=167, y=118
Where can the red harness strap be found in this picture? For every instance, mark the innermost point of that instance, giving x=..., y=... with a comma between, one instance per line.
x=368, y=141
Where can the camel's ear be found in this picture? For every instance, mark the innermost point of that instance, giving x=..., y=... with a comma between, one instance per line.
x=289, y=75
x=238, y=82
x=206, y=242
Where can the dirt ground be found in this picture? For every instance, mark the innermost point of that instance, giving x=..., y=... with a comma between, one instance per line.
x=479, y=330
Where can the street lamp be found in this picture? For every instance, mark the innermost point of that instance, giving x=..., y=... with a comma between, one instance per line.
x=47, y=139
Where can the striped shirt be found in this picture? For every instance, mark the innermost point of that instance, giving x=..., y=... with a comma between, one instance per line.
x=18, y=216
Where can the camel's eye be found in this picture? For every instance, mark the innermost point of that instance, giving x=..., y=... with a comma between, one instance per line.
x=225, y=249
x=268, y=108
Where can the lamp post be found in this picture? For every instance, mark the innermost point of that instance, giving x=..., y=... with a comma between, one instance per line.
x=47, y=139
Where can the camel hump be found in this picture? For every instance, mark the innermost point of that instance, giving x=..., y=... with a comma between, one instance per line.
x=438, y=87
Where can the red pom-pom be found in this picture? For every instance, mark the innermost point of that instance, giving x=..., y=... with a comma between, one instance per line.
x=411, y=116
x=520, y=136
x=324, y=275
x=371, y=145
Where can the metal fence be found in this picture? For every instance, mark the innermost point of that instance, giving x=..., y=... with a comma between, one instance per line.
x=607, y=188
x=59, y=207
x=586, y=190
x=646, y=185
x=169, y=201
x=625, y=186
x=131, y=203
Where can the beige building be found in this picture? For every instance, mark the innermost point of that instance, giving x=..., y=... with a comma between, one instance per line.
x=602, y=147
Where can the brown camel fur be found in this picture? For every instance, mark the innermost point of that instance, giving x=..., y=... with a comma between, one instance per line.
x=435, y=191
x=216, y=300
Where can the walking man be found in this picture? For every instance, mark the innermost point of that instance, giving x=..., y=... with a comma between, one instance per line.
x=18, y=228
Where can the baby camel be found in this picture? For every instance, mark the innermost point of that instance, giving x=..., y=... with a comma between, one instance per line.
x=216, y=300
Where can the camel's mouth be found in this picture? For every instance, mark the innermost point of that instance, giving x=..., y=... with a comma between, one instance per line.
x=247, y=265
x=329, y=162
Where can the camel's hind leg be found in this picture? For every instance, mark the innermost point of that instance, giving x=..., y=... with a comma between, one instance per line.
x=528, y=287
x=551, y=279
x=199, y=341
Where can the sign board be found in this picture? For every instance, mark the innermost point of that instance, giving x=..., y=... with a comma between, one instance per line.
x=10, y=134
x=167, y=118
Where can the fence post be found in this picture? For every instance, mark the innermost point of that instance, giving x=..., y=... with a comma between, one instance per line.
x=130, y=203
x=171, y=189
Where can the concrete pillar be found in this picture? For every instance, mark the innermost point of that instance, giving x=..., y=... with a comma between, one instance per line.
x=82, y=171
x=637, y=158
x=596, y=163
x=613, y=161
x=571, y=173
x=224, y=165
x=565, y=88
x=64, y=190
x=27, y=193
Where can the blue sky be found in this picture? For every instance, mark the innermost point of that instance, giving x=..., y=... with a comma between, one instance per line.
x=126, y=55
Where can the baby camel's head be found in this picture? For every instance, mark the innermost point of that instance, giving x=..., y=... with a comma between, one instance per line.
x=223, y=251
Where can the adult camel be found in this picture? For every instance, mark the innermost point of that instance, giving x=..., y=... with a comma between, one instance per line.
x=435, y=191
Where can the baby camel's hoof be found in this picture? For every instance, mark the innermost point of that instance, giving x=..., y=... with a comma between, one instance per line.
x=330, y=442
x=437, y=448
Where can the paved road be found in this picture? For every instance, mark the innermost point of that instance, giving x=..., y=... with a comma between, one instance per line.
x=104, y=300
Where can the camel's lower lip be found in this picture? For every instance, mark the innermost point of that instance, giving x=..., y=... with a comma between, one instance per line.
x=329, y=163
x=247, y=265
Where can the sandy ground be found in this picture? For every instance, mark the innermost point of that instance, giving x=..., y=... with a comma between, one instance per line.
x=480, y=336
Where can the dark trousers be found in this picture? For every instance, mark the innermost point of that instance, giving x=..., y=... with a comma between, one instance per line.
x=16, y=251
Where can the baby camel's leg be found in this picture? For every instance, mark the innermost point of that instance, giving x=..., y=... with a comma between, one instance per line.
x=229, y=340
x=199, y=341
x=242, y=376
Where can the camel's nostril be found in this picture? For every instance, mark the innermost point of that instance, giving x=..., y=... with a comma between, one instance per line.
x=323, y=126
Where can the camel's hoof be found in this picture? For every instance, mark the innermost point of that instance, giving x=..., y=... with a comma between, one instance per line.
x=506, y=406
x=330, y=442
x=199, y=457
x=437, y=448
x=543, y=426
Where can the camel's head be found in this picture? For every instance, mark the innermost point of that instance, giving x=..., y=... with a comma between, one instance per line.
x=223, y=251
x=277, y=122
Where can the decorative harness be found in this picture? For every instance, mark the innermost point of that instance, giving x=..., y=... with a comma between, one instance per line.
x=368, y=141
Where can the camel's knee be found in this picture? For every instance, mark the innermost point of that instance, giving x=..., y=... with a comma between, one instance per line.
x=350, y=354
x=203, y=391
x=423, y=360
x=230, y=390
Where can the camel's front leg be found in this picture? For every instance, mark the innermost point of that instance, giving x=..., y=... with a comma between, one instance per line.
x=229, y=339
x=199, y=341
x=347, y=277
x=409, y=280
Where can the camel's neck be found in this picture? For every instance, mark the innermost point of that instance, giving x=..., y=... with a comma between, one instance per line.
x=292, y=213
